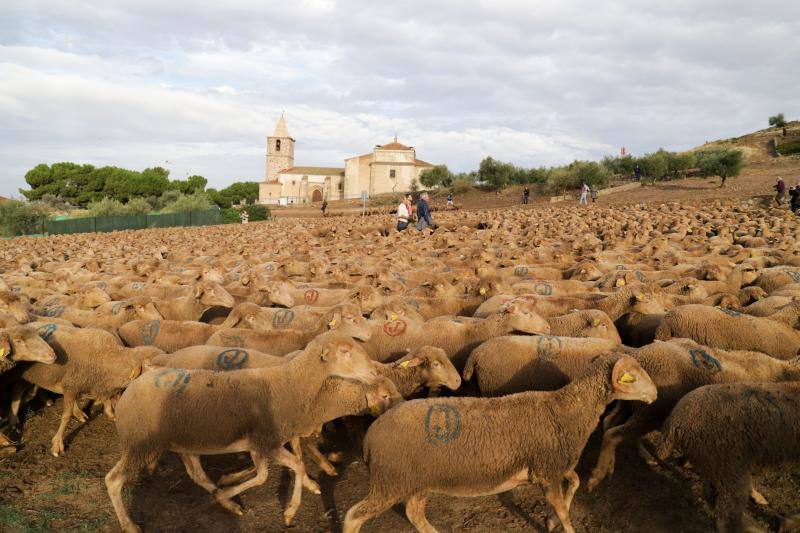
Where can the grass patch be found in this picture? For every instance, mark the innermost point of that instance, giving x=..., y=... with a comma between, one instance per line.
x=789, y=147
x=40, y=521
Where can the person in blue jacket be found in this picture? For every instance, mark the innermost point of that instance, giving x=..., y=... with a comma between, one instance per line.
x=423, y=212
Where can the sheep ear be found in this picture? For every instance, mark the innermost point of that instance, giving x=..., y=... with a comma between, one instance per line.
x=198, y=291
x=410, y=363
x=326, y=351
x=620, y=374
x=639, y=297
x=233, y=319
x=596, y=322
x=335, y=321
x=510, y=308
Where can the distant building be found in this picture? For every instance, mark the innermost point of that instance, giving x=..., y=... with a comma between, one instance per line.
x=388, y=168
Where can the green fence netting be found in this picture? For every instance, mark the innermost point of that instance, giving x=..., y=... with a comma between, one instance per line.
x=126, y=222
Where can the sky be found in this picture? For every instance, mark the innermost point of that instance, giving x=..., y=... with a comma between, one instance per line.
x=196, y=86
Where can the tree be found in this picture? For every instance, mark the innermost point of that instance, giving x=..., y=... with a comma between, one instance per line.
x=436, y=176
x=778, y=121
x=679, y=162
x=240, y=190
x=574, y=175
x=190, y=185
x=655, y=165
x=21, y=218
x=723, y=162
x=496, y=173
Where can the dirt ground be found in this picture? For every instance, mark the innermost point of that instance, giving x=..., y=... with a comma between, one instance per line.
x=40, y=493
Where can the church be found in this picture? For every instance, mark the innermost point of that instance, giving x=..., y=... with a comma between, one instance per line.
x=388, y=168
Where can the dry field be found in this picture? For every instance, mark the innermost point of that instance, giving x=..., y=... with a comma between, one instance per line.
x=670, y=245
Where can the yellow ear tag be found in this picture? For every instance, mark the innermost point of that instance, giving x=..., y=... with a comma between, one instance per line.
x=640, y=297
x=133, y=373
x=482, y=291
x=394, y=317
x=2, y=352
x=627, y=378
x=620, y=282
x=405, y=364
x=332, y=323
x=596, y=322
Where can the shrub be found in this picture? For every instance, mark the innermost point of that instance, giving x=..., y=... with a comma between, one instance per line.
x=679, y=162
x=198, y=201
x=789, y=147
x=778, y=121
x=138, y=206
x=655, y=165
x=723, y=162
x=462, y=183
x=21, y=218
x=230, y=215
x=106, y=207
x=414, y=186
x=257, y=212
x=496, y=173
x=439, y=175
x=620, y=166
x=574, y=175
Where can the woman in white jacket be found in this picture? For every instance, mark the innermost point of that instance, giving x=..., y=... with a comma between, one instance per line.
x=404, y=213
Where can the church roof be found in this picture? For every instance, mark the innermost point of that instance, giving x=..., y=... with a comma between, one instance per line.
x=280, y=129
x=394, y=145
x=421, y=163
x=314, y=171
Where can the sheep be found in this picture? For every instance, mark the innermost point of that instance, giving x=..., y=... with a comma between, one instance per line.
x=678, y=367
x=450, y=446
x=346, y=319
x=505, y=365
x=216, y=358
x=457, y=337
x=89, y=363
x=587, y=323
x=723, y=328
x=17, y=344
x=12, y=304
x=726, y=430
x=204, y=296
x=168, y=335
x=189, y=412
x=252, y=316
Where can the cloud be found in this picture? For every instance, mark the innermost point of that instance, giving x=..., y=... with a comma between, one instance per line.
x=201, y=83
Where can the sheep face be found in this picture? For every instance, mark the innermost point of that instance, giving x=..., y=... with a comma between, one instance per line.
x=23, y=343
x=601, y=327
x=279, y=295
x=347, y=320
x=522, y=317
x=95, y=297
x=381, y=396
x=646, y=303
x=213, y=294
x=212, y=274
x=11, y=304
x=396, y=311
x=344, y=358
x=367, y=298
x=436, y=367
x=631, y=382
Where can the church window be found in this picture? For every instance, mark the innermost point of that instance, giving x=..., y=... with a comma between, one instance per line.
x=392, y=174
x=278, y=145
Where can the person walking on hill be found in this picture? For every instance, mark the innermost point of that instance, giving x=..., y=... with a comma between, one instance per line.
x=593, y=193
x=450, y=200
x=780, y=190
x=794, y=197
x=526, y=193
x=637, y=173
x=423, y=212
x=324, y=207
x=584, y=195
x=404, y=212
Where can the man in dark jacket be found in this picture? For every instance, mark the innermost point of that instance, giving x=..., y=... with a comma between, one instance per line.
x=423, y=212
x=794, y=198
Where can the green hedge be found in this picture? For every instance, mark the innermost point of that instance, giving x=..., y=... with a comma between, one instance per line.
x=790, y=147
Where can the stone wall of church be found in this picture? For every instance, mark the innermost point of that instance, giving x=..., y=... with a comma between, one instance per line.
x=279, y=159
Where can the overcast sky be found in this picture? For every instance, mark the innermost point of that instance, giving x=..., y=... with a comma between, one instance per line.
x=196, y=86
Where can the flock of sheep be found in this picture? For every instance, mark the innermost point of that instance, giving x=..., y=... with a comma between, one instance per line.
x=511, y=334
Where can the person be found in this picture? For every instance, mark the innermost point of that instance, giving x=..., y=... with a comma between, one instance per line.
x=324, y=206
x=584, y=195
x=794, y=197
x=423, y=212
x=593, y=193
x=450, y=200
x=404, y=212
x=637, y=172
x=526, y=193
x=780, y=190
x=245, y=216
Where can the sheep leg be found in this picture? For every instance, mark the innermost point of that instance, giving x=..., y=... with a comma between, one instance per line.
x=731, y=501
x=308, y=483
x=555, y=496
x=757, y=497
x=115, y=482
x=415, y=512
x=108, y=409
x=283, y=457
x=789, y=523
x=57, y=447
x=614, y=417
x=574, y=483
x=368, y=508
x=16, y=401
x=6, y=446
x=196, y=472
x=639, y=424
x=319, y=458
x=79, y=415
x=260, y=462
x=236, y=477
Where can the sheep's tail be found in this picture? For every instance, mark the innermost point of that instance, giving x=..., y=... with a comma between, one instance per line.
x=667, y=442
x=469, y=368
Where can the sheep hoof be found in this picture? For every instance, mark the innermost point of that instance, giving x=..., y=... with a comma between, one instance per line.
x=551, y=524
x=288, y=516
x=311, y=485
x=330, y=471
x=57, y=448
x=130, y=527
x=335, y=457
x=5, y=451
x=228, y=504
x=758, y=498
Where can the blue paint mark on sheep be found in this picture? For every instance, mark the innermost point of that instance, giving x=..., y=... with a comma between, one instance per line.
x=705, y=361
x=521, y=271
x=117, y=307
x=640, y=276
x=542, y=289
x=149, y=331
x=234, y=341
x=548, y=347
x=102, y=285
x=233, y=359
x=172, y=378
x=46, y=331
x=413, y=303
x=795, y=276
x=53, y=311
x=620, y=267
x=442, y=424
x=767, y=400
x=283, y=318
x=730, y=312
x=137, y=285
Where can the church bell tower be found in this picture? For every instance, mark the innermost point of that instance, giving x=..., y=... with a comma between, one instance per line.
x=280, y=151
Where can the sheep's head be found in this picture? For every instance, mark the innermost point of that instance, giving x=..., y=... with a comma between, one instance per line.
x=279, y=294
x=645, y=300
x=342, y=356
x=597, y=324
x=396, y=310
x=95, y=297
x=23, y=343
x=382, y=396
x=213, y=294
x=249, y=315
x=13, y=305
x=520, y=316
x=213, y=274
x=630, y=381
x=346, y=319
x=367, y=298
x=436, y=368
